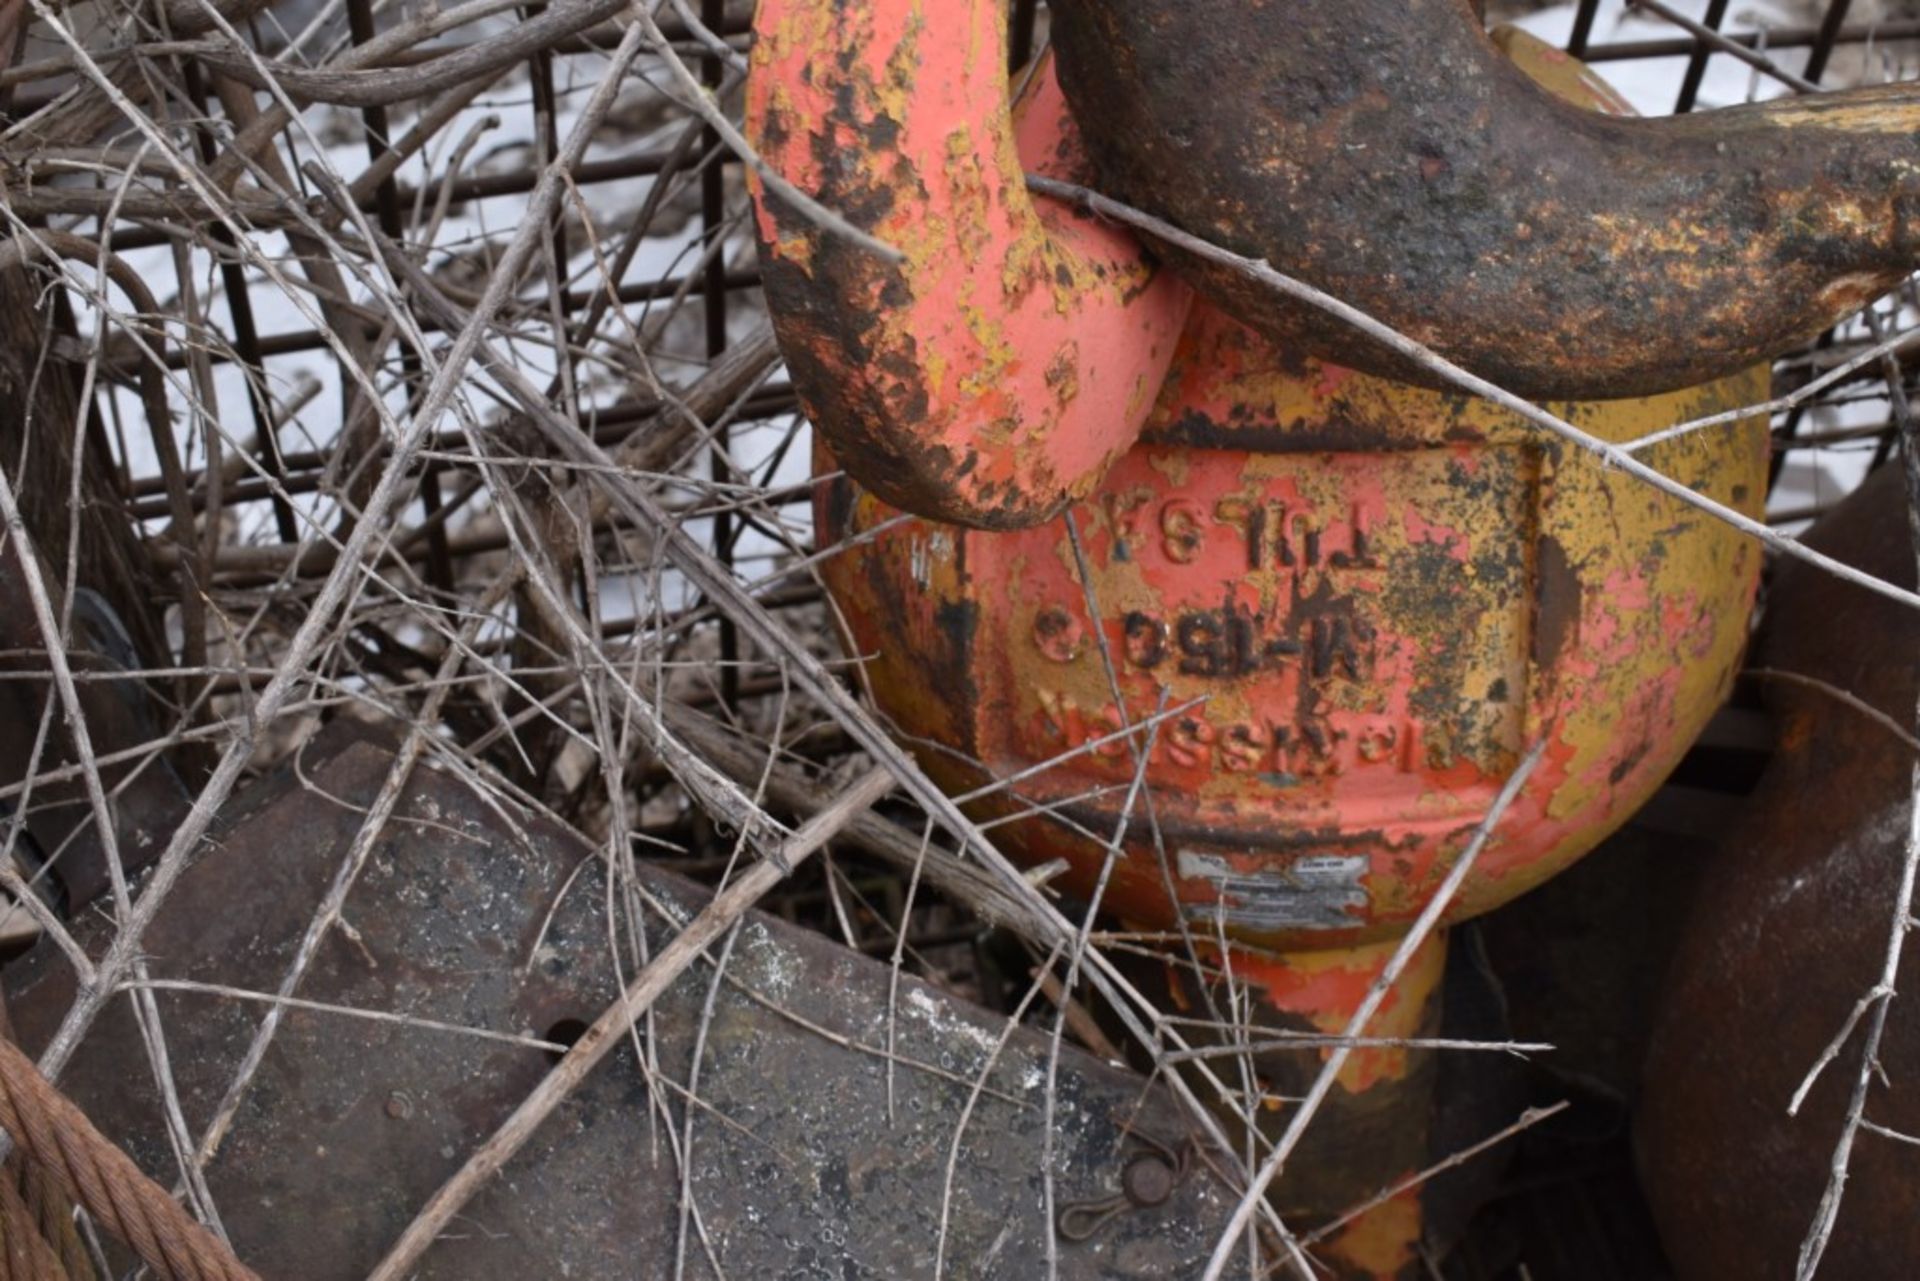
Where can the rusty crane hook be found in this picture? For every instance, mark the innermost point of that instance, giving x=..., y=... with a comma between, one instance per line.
x=990, y=377
x=1384, y=151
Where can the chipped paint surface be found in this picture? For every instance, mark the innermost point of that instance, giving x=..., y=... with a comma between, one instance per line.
x=1374, y=1123
x=1426, y=603
x=1373, y=637
x=1367, y=600
x=992, y=376
x=1375, y=596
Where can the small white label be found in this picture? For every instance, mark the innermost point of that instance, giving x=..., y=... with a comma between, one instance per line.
x=1314, y=892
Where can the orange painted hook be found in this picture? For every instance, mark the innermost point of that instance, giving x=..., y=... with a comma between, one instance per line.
x=991, y=376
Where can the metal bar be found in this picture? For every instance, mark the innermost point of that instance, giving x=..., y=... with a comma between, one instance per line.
x=1716, y=41
x=1823, y=46
x=1582, y=28
x=1785, y=38
x=1697, y=66
x=304, y=468
x=479, y=187
x=713, y=213
x=546, y=111
x=592, y=42
x=1829, y=35
x=246, y=338
x=1791, y=427
x=312, y=340
x=386, y=201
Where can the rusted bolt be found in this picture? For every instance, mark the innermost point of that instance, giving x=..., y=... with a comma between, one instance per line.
x=1148, y=1181
x=1385, y=151
x=400, y=1105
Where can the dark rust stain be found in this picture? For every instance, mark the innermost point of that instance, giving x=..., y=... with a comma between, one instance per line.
x=824, y=337
x=1386, y=152
x=1556, y=602
x=1628, y=763
x=1787, y=931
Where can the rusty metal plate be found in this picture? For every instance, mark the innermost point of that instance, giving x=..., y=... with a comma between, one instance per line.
x=797, y=1169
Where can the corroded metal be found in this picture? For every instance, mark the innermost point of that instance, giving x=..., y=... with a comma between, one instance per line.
x=1362, y=643
x=991, y=376
x=1377, y=635
x=1359, y=603
x=800, y=1167
x=1788, y=932
x=1384, y=151
x=1380, y=593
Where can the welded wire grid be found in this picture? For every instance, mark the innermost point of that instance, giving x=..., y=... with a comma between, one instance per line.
x=386, y=256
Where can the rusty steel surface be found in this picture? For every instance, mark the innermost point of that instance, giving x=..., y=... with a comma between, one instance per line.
x=1377, y=634
x=797, y=1169
x=1363, y=602
x=1385, y=152
x=1378, y=595
x=1787, y=933
x=991, y=376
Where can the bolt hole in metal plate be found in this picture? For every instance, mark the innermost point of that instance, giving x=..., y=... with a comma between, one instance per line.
x=798, y=1169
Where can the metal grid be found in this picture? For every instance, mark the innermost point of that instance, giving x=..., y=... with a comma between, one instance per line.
x=238, y=341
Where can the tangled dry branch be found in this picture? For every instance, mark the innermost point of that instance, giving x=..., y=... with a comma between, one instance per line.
x=422, y=345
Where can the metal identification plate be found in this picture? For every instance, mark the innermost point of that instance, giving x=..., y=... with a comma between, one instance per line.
x=1316, y=892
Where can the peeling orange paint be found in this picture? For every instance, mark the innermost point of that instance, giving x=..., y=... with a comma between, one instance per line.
x=937, y=374
x=1368, y=600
